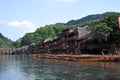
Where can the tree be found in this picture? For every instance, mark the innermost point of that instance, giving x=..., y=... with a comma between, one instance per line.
x=100, y=32
x=107, y=30
x=17, y=43
x=112, y=21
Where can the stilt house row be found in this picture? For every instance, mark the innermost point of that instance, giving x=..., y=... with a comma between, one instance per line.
x=70, y=41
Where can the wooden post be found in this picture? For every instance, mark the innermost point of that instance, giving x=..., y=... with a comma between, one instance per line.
x=119, y=21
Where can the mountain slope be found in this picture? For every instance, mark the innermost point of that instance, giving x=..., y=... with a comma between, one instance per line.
x=5, y=41
x=51, y=31
x=86, y=19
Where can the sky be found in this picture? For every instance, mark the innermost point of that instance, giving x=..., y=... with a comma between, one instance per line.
x=18, y=17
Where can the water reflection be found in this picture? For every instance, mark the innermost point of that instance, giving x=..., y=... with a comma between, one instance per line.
x=28, y=68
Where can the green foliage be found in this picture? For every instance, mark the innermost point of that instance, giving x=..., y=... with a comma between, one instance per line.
x=5, y=41
x=84, y=19
x=27, y=39
x=101, y=32
x=103, y=27
x=49, y=31
x=17, y=43
x=112, y=21
x=106, y=29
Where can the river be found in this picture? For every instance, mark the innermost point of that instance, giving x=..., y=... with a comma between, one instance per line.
x=28, y=68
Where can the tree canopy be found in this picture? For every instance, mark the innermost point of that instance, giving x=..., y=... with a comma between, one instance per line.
x=106, y=29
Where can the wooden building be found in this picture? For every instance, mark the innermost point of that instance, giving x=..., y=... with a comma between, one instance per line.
x=71, y=41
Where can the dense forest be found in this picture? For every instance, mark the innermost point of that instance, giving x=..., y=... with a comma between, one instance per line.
x=103, y=27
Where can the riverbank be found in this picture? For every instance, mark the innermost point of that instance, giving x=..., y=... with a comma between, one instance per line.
x=80, y=57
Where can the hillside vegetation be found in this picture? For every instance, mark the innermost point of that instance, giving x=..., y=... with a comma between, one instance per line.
x=5, y=41
x=49, y=31
x=104, y=28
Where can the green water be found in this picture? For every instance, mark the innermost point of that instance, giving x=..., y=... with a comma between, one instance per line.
x=29, y=68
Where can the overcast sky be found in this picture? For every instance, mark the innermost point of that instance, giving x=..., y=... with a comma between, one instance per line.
x=20, y=16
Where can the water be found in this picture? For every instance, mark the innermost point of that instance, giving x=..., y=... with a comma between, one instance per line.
x=29, y=68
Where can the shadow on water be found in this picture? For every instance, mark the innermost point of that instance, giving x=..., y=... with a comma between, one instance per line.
x=28, y=68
